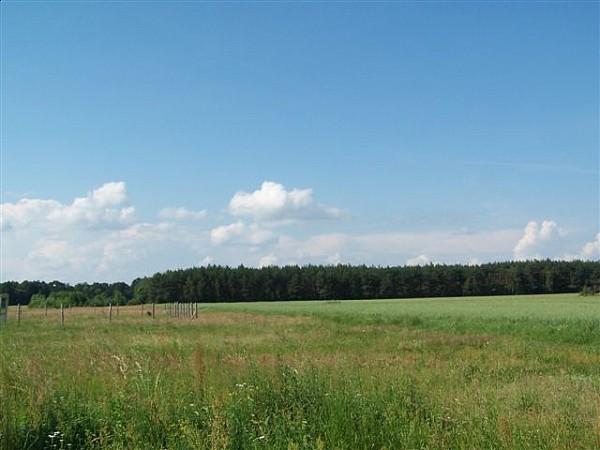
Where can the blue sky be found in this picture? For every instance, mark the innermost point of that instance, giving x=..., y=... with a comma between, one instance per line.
x=377, y=133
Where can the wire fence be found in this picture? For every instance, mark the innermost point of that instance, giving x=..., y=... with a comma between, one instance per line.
x=111, y=313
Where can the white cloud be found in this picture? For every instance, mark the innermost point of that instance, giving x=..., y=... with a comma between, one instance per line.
x=240, y=233
x=103, y=206
x=57, y=255
x=591, y=250
x=267, y=260
x=528, y=240
x=534, y=236
x=206, y=261
x=421, y=260
x=224, y=233
x=334, y=259
x=181, y=214
x=396, y=248
x=96, y=237
x=548, y=228
x=109, y=194
x=273, y=203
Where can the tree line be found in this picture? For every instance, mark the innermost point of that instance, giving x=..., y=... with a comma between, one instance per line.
x=339, y=282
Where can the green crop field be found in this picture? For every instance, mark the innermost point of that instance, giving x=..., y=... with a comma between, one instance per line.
x=518, y=372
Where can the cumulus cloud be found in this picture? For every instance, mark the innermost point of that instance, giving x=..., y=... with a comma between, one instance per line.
x=181, y=214
x=96, y=237
x=240, y=233
x=421, y=260
x=103, y=206
x=224, y=233
x=591, y=250
x=123, y=249
x=534, y=236
x=57, y=255
x=267, y=260
x=109, y=194
x=93, y=237
x=272, y=203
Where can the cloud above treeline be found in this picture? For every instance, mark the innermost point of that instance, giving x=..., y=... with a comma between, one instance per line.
x=104, y=206
x=273, y=203
x=535, y=237
x=98, y=236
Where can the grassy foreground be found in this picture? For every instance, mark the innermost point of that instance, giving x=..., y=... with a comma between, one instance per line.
x=485, y=373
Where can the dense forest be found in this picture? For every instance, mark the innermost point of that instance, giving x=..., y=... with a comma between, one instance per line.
x=222, y=284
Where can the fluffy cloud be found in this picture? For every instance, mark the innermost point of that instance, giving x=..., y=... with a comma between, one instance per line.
x=240, y=233
x=224, y=233
x=101, y=207
x=181, y=214
x=533, y=238
x=96, y=238
x=56, y=255
x=421, y=260
x=267, y=260
x=591, y=250
x=272, y=203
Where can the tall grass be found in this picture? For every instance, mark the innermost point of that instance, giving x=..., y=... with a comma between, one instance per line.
x=234, y=380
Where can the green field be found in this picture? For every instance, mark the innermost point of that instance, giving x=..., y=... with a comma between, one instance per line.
x=518, y=372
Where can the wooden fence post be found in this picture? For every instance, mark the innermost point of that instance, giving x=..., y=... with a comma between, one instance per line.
x=153, y=310
x=46, y=308
x=7, y=301
x=62, y=315
x=19, y=314
x=110, y=312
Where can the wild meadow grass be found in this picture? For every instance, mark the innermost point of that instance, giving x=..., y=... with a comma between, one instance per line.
x=479, y=373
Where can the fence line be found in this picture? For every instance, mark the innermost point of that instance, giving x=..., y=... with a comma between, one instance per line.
x=3, y=308
x=21, y=314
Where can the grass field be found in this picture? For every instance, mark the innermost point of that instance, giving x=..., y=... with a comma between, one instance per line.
x=469, y=373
